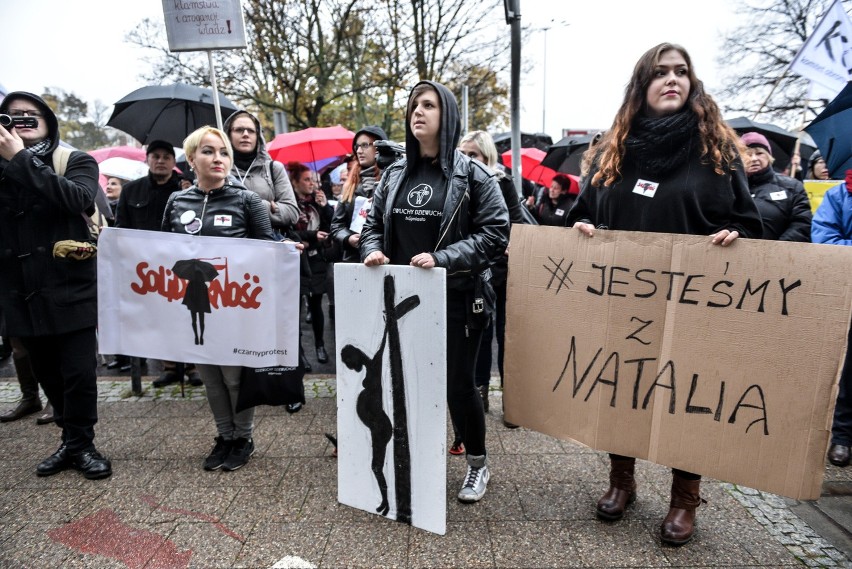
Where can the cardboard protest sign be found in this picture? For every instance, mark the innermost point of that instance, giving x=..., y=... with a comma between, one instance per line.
x=189, y=298
x=391, y=392
x=668, y=348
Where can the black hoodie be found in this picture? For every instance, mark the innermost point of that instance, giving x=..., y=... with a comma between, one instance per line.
x=474, y=228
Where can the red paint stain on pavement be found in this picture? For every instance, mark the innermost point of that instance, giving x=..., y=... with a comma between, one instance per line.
x=103, y=533
x=152, y=501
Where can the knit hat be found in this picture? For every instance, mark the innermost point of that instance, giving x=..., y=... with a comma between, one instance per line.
x=376, y=132
x=816, y=156
x=160, y=145
x=752, y=139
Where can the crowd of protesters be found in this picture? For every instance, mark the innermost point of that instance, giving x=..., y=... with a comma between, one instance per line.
x=668, y=129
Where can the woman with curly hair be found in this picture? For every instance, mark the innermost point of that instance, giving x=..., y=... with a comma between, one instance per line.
x=669, y=164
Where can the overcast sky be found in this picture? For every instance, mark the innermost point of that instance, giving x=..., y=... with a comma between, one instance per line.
x=591, y=48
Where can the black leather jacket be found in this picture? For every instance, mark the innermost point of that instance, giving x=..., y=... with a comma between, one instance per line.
x=474, y=227
x=230, y=211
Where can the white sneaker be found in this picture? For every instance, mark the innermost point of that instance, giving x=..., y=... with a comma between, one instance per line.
x=475, y=484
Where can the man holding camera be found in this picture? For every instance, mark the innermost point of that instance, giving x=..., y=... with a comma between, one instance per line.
x=48, y=289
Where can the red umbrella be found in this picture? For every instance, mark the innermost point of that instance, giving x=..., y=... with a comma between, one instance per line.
x=532, y=170
x=311, y=144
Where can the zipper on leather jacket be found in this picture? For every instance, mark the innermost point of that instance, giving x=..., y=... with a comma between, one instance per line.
x=466, y=196
x=203, y=207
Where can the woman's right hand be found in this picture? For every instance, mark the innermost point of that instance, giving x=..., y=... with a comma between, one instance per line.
x=376, y=258
x=353, y=240
x=586, y=229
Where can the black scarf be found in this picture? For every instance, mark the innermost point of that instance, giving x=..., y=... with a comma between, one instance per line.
x=661, y=144
x=243, y=160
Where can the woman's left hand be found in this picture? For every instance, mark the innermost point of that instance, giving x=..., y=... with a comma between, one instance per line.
x=423, y=260
x=725, y=237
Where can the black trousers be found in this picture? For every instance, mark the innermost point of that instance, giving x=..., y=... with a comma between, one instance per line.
x=463, y=399
x=841, y=428
x=65, y=367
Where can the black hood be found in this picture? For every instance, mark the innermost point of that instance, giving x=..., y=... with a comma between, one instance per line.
x=49, y=116
x=450, y=130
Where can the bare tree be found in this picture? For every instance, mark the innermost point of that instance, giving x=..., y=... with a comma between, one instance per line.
x=346, y=61
x=761, y=49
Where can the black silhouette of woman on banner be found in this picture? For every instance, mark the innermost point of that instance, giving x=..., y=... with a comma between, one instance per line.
x=196, y=298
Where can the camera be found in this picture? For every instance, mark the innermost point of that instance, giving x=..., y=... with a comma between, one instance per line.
x=388, y=153
x=11, y=122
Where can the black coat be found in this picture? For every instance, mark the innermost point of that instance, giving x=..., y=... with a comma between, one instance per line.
x=248, y=216
x=143, y=201
x=783, y=204
x=40, y=294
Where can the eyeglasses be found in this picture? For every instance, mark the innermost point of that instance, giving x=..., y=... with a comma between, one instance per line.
x=363, y=145
x=243, y=130
x=26, y=113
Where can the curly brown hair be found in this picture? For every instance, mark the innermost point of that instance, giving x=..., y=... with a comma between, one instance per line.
x=718, y=141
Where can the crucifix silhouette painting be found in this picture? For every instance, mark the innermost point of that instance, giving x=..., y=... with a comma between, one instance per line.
x=392, y=393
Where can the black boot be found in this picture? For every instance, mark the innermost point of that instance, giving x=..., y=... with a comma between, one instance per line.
x=30, y=402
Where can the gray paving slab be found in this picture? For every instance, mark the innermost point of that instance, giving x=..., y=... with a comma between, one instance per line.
x=160, y=510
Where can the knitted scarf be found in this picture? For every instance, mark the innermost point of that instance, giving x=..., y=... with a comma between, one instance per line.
x=368, y=181
x=661, y=144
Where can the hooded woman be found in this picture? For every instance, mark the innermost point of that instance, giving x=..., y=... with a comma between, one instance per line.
x=254, y=169
x=462, y=225
x=362, y=178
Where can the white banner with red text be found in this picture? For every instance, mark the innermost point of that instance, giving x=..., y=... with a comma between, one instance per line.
x=188, y=298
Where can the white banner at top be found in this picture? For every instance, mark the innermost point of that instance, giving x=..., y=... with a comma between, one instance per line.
x=826, y=56
x=189, y=298
x=195, y=25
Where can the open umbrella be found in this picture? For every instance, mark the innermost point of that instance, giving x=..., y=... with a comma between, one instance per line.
x=781, y=140
x=832, y=131
x=167, y=112
x=131, y=152
x=567, y=154
x=503, y=141
x=533, y=170
x=311, y=144
x=124, y=168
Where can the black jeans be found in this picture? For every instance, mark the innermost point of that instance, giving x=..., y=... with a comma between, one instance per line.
x=65, y=365
x=463, y=399
x=498, y=324
x=841, y=428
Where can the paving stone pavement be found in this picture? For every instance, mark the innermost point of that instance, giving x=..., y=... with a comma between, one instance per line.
x=160, y=510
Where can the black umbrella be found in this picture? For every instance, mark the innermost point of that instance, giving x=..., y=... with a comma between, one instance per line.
x=781, y=140
x=195, y=270
x=167, y=112
x=539, y=140
x=832, y=131
x=566, y=155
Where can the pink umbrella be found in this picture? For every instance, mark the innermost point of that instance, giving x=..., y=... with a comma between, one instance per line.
x=130, y=152
x=311, y=144
x=532, y=170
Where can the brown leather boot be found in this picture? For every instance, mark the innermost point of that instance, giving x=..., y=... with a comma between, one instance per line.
x=30, y=402
x=679, y=525
x=622, y=489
